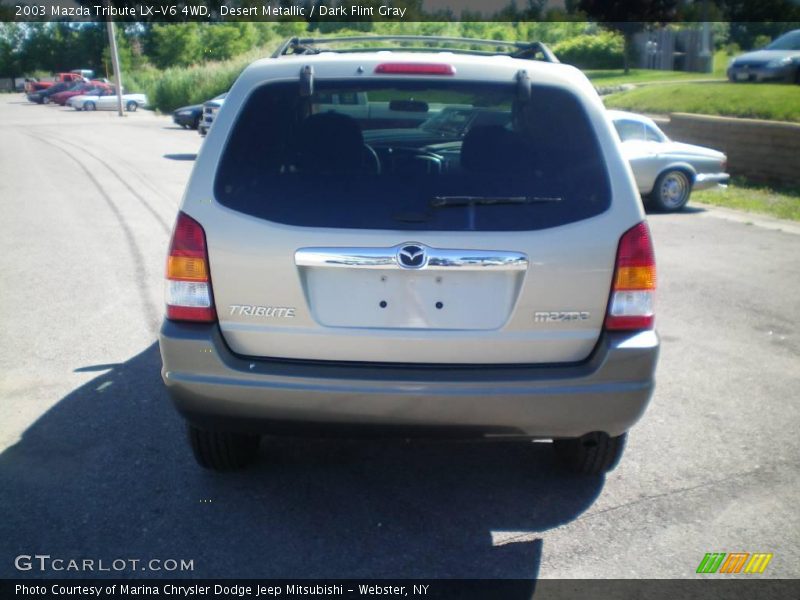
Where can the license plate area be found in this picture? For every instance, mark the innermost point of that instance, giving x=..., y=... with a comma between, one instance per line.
x=411, y=299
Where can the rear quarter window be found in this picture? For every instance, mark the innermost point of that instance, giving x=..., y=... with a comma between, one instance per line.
x=413, y=155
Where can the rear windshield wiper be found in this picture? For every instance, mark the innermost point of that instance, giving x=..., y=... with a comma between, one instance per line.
x=445, y=201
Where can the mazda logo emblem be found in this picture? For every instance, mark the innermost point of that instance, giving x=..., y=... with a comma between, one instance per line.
x=411, y=256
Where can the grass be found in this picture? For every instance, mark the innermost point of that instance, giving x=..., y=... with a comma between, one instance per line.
x=615, y=77
x=773, y=101
x=783, y=203
x=643, y=76
x=677, y=92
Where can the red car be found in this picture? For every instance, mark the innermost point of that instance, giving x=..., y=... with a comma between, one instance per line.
x=82, y=88
x=37, y=86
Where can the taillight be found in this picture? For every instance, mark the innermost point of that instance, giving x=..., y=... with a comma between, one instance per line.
x=634, y=287
x=415, y=69
x=188, y=288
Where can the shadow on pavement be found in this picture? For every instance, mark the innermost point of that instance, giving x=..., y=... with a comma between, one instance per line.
x=685, y=211
x=181, y=156
x=107, y=474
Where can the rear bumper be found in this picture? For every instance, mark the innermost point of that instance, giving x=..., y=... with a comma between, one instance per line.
x=707, y=181
x=214, y=388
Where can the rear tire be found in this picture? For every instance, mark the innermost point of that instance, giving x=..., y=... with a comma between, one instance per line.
x=222, y=451
x=89, y=106
x=592, y=454
x=46, y=100
x=671, y=191
x=131, y=106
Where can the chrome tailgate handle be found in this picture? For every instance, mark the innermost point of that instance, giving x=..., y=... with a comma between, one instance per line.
x=411, y=256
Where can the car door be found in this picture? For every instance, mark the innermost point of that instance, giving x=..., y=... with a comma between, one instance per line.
x=107, y=100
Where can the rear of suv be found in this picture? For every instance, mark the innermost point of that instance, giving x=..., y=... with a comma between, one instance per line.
x=331, y=272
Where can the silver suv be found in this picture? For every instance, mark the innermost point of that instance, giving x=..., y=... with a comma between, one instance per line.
x=330, y=271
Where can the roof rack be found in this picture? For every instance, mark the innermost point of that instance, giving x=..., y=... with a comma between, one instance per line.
x=525, y=50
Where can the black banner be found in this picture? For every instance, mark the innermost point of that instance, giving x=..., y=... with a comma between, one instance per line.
x=711, y=588
x=338, y=11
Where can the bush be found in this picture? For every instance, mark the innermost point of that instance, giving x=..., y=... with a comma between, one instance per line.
x=175, y=87
x=600, y=51
x=761, y=41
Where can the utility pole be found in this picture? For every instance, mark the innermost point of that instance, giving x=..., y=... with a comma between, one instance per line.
x=112, y=42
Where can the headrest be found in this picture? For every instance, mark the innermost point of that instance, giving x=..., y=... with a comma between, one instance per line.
x=330, y=142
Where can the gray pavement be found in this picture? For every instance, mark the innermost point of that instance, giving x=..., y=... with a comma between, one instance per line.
x=94, y=464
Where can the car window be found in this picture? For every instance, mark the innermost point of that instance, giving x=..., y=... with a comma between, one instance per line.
x=527, y=165
x=449, y=121
x=789, y=41
x=629, y=130
x=651, y=134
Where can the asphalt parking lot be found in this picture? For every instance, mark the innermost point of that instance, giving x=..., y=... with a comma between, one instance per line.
x=94, y=464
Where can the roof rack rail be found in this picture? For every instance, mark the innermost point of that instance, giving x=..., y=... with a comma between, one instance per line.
x=309, y=45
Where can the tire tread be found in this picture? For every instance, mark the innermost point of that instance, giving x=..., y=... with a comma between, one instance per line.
x=595, y=459
x=222, y=451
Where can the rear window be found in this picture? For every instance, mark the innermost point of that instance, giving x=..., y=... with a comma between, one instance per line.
x=413, y=155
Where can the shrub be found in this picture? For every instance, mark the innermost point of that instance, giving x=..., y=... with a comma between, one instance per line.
x=761, y=41
x=599, y=51
x=175, y=87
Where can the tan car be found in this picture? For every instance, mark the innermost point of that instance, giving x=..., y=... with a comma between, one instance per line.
x=499, y=284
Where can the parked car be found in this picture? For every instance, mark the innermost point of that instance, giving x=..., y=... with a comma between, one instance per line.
x=107, y=100
x=666, y=172
x=104, y=90
x=85, y=73
x=778, y=61
x=87, y=89
x=380, y=113
x=43, y=96
x=188, y=116
x=501, y=287
x=36, y=85
x=210, y=110
x=449, y=124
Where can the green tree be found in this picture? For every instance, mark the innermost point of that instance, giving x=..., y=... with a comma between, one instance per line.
x=38, y=49
x=12, y=36
x=751, y=20
x=221, y=41
x=174, y=45
x=128, y=58
x=628, y=17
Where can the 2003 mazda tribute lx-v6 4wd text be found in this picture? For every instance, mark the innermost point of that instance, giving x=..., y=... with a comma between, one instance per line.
x=492, y=280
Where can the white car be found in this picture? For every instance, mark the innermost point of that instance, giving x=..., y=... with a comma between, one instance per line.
x=210, y=110
x=666, y=172
x=108, y=101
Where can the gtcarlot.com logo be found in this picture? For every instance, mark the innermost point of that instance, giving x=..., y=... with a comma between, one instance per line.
x=46, y=563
